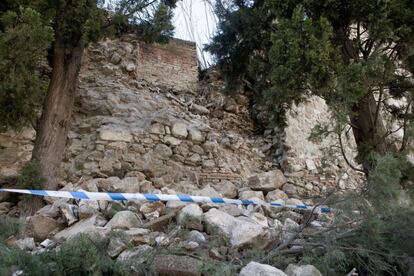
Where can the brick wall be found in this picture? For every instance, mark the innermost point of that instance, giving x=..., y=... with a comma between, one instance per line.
x=172, y=65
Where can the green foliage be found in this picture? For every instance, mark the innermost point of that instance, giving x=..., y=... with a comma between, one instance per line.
x=30, y=177
x=159, y=28
x=281, y=52
x=23, y=41
x=9, y=227
x=372, y=231
x=13, y=259
x=213, y=267
x=82, y=256
x=77, y=256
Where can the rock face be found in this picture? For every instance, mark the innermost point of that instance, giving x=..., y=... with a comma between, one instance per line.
x=254, y=268
x=267, y=181
x=239, y=232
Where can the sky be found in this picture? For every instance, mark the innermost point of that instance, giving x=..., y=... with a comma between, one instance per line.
x=194, y=20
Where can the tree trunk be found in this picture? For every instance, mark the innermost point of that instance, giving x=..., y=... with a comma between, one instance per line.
x=57, y=111
x=369, y=130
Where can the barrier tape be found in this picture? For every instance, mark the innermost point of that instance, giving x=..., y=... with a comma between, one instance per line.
x=159, y=197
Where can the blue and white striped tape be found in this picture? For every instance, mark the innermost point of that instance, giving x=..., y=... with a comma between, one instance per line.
x=159, y=197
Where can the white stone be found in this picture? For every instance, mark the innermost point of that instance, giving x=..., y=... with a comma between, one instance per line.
x=238, y=232
x=247, y=194
x=302, y=270
x=115, y=135
x=26, y=244
x=190, y=213
x=254, y=268
x=124, y=220
x=276, y=195
x=267, y=181
x=179, y=130
x=130, y=67
x=157, y=128
x=137, y=254
x=169, y=140
x=163, y=151
x=310, y=165
x=195, y=135
x=289, y=229
x=87, y=226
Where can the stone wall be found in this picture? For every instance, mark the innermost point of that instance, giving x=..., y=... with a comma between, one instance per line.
x=140, y=113
x=15, y=149
x=173, y=65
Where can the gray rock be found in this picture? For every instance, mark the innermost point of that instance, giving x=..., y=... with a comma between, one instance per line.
x=276, y=195
x=251, y=194
x=226, y=188
x=42, y=226
x=190, y=216
x=195, y=135
x=199, y=109
x=116, y=58
x=69, y=212
x=157, y=128
x=130, y=67
x=152, y=209
x=126, y=185
x=179, y=130
x=302, y=270
x=26, y=244
x=254, y=268
x=196, y=236
x=124, y=220
x=115, y=135
x=137, y=254
x=163, y=151
x=115, y=246
x=289, y=229
x=238, y=232
x=267, y=181
x=169, y=140
x=86, y=226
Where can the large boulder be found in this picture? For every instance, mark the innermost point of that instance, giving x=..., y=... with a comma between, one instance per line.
x=302, y=270
x=267, y=181
x=124, y=220
x=87, y=226
x=191, y=217
x=42, y=226
x=254, y=268
x=238, y=232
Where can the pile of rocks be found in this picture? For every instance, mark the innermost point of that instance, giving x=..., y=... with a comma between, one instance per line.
x=132, y=229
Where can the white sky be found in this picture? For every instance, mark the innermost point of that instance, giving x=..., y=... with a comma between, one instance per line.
x=194, y=20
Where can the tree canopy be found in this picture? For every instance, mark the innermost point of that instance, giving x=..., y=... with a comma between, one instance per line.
x=357, y=55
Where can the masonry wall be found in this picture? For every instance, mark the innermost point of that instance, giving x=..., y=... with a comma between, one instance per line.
x=173, y=64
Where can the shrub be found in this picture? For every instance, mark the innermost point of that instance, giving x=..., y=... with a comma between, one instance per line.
x=30, y=177
x=9, y=226
x=82, y=256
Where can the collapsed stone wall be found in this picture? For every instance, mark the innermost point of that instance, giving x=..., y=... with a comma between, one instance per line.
x=126, y=124
x=141, y=112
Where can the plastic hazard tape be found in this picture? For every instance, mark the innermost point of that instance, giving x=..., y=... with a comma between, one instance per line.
x=159, y=197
